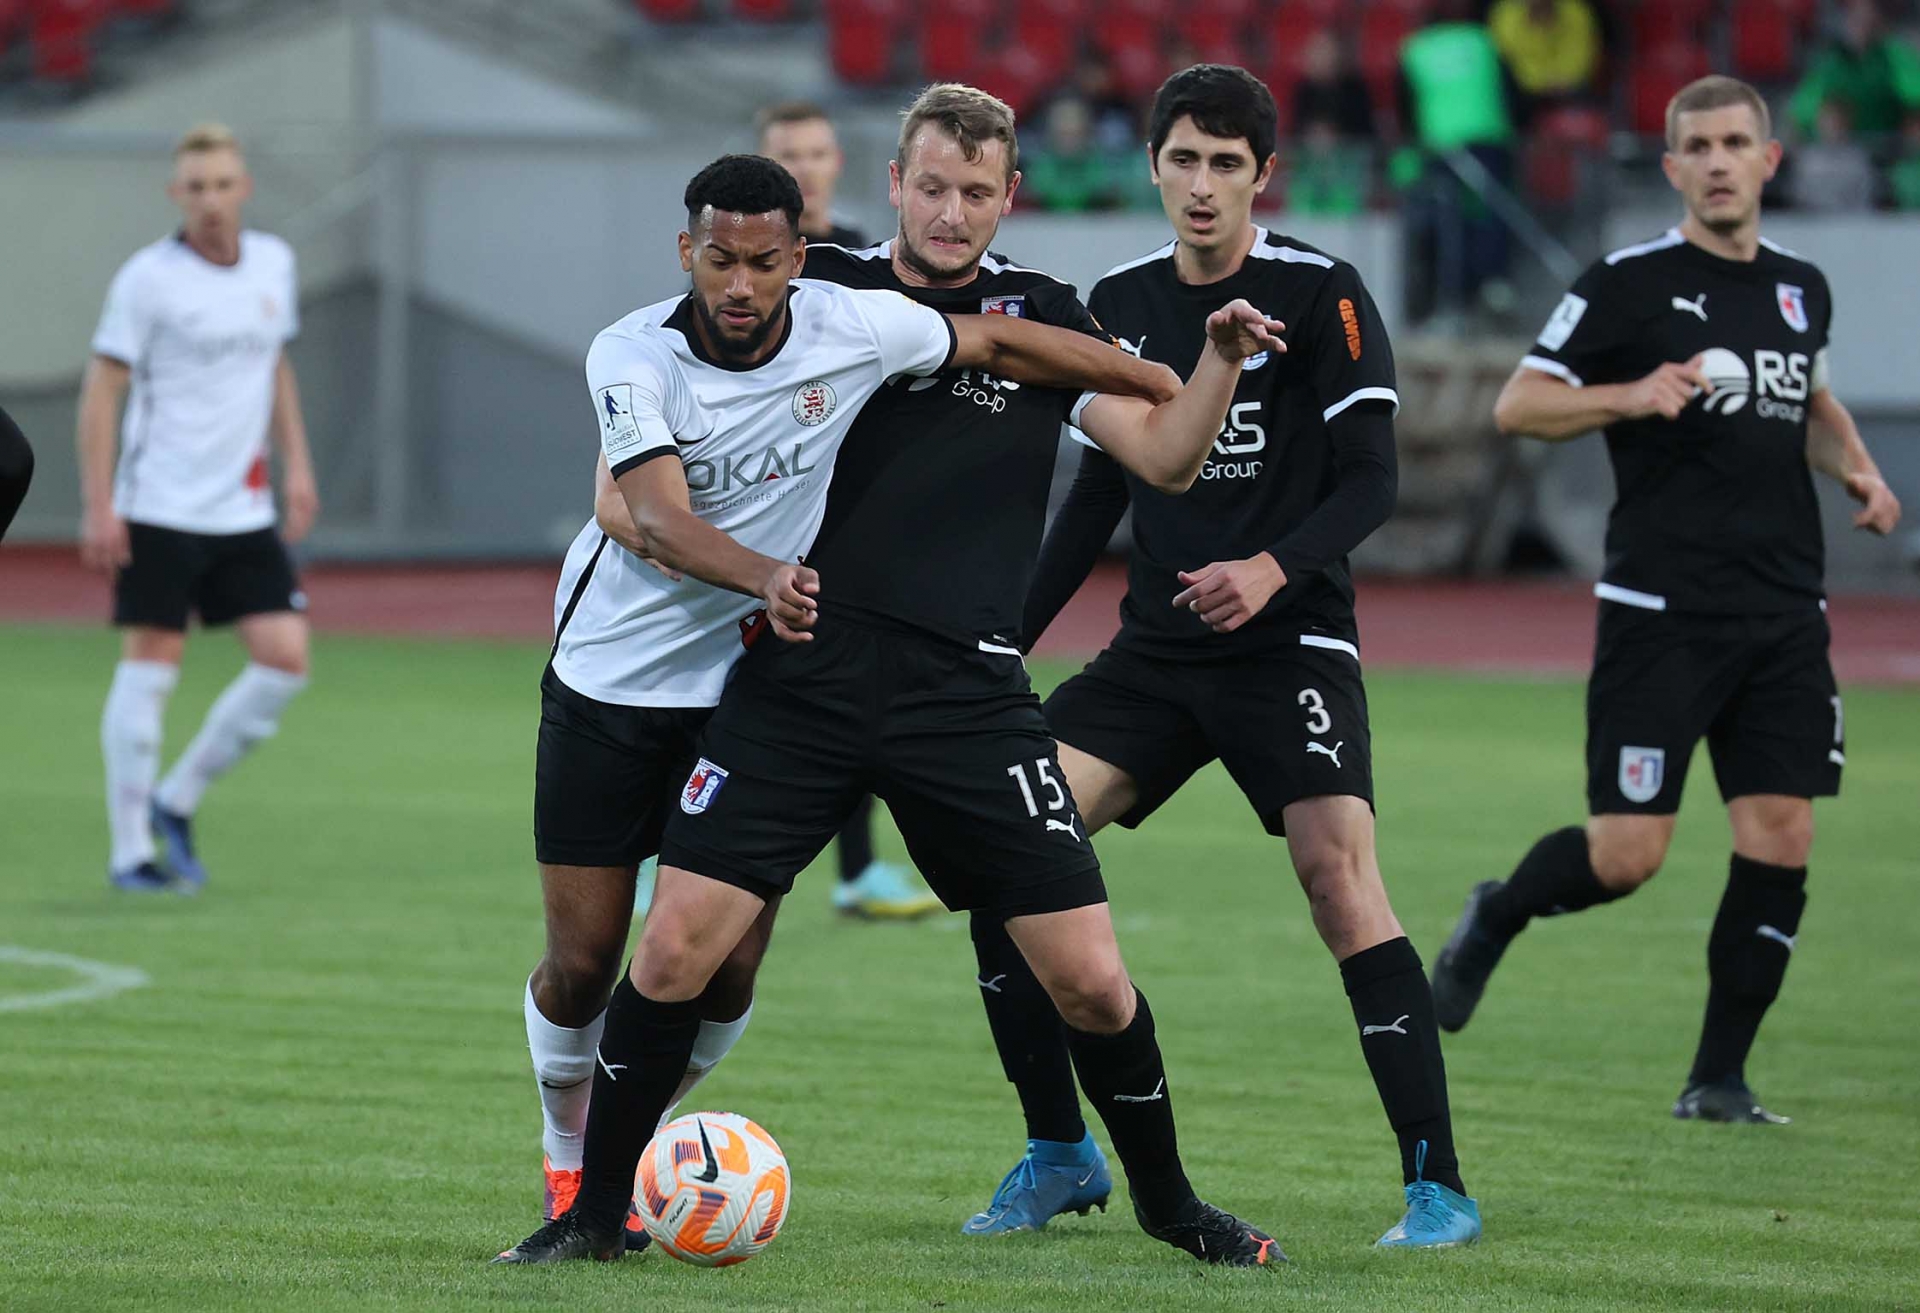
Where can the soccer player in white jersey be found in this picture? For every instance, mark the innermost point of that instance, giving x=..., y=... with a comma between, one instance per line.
x=750, y=383
x=196, y=326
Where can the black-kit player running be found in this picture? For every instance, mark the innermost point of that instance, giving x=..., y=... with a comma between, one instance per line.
x=1237, y=638
x=907, y=684
x=1703, y=355
x=16, y=469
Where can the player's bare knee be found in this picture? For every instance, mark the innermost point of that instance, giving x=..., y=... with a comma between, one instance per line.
x=1778, y=831
x=672, y=962
x=1330, y=871
x=572, y=988
x=1098, y=1001
x=1622, y=862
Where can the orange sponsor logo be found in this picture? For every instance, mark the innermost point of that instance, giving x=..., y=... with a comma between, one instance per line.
x=1351, y=320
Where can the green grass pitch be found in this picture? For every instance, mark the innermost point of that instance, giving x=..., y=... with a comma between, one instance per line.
x=321, y=1100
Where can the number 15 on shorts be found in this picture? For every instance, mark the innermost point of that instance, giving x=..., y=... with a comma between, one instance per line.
x=1049, y=783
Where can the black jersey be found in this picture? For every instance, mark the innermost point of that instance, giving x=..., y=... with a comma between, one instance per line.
x=1713, y=511
x=939, y=494
x=1274, y=463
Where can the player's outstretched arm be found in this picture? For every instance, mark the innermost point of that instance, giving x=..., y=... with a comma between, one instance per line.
x=1535, y=404
x=1044, y=356
x=1166, y=445
x=103, y=535
x=298, y=488
x=1836, y=449
x=615, y=520
x=657, y=499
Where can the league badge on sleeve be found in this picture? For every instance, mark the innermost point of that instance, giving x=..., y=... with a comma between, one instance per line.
x=1014, y=307
x=616, y=418
x=1642, y=772
x=1793, y=305
x=703, y=786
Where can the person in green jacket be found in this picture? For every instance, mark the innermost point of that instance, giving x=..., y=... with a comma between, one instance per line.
x=1873, y=72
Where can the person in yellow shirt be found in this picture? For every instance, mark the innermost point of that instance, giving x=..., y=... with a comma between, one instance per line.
x=1551, y=47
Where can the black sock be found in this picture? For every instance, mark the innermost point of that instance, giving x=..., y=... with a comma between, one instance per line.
x=856, y=840
x=1029, y=1034
x=1394, y=1005
x=1126, y=1082
x=1555, y=876
x=644, y=1051
x=1747, y=957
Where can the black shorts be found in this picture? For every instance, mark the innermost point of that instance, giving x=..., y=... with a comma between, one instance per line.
x=1760, y=689
x=222, y=577
x=606, y=775
x=1287, y=724
x=951, y=737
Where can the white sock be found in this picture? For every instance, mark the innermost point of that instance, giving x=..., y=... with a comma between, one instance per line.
x=715, y=1040
x=563, y=1064
x=130, y=742
x=246, y=712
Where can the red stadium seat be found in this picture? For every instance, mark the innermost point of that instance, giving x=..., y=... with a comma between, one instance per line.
x=1764, y=36
x=1291, y=21
x=860, y=38
x=145, y=8
x=1051, y=39
x=1220, y=38
x=1655, y=80
x=1658, y=24
x=1384, y=28
x=1553, y=154
x=765, y=11
x=953, y=37
x=669, y=11
x=62, y=33
x=1017, y=76
x=1122, y=29
x=1139, y=70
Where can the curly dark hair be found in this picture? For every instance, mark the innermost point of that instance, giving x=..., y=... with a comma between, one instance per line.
x=744, y=184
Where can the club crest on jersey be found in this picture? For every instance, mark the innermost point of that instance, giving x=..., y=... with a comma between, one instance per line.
x=703, y=786
x=1014, y=307
x=1793, y=305
x=1254, y=361
x=813, y=402
x=1642, y=772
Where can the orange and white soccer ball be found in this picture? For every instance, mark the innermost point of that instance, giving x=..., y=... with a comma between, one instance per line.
x=713, y=1189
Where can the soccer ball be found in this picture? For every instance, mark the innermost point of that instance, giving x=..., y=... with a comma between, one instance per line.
x=713, y=1189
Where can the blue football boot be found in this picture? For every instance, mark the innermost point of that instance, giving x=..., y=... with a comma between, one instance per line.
x=1053, y=1178
x=1437, y=1218
x=146, y=878
x=175, y=833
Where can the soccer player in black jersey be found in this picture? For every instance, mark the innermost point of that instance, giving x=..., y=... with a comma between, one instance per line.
x=1237, y=637
x=909, y=686
x=1703, y=355
x=16, y=469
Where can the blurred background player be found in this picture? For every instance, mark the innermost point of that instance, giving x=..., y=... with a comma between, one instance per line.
x=1703, y=355
x=799, y=136
x=196, y=325
x=16, y=469
x=1237, y=638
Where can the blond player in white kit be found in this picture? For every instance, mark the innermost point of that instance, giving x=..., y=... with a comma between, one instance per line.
x=195, y=328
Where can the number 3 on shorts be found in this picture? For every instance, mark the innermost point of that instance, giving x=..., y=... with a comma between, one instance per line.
x=1318, y=721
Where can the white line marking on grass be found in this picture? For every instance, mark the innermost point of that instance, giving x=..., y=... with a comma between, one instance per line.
x=99, y=979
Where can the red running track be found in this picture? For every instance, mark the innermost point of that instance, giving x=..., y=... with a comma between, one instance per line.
x=1497, y=627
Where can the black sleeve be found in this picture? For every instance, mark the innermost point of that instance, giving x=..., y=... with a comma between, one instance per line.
x=1366, y=478
x=1079, y=533
x=1584, y=334
x=1059, y=304
x=1349, y=358
x=16, y=469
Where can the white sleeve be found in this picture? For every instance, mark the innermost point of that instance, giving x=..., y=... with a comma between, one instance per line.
x=913, y=339
x=1072, y=426
x=1822, y=372
x=639, y=397
x=127, y=321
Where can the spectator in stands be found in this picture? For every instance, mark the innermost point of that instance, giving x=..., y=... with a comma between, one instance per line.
x=1455, y=99
x=1330, y=173
x=1116, y=119
x=800, y=137
x=1069, y=173
x=1330, y=91
x=1833, y=172
x=1903, y=177
x=1552, y=48
x=1874, y=73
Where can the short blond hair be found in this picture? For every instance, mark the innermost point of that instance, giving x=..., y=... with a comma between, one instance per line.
x=969, y=115
x=204, y=137
x=1716, y=91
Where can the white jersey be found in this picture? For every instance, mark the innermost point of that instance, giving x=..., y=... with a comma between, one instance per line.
x=758, y=447
x=203, y=341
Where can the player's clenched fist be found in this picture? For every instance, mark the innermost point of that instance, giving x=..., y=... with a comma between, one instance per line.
x=1667, y=390
x=103, y=541
x=1238, y=331
x=789, y=594
x=1227, y=594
